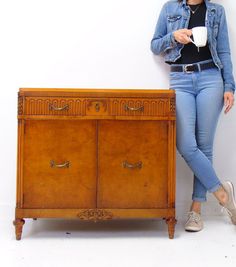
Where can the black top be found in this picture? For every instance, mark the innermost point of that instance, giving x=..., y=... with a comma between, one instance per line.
x=189, y=53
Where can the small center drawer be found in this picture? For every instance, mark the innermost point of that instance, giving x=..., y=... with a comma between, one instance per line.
x=97, y=106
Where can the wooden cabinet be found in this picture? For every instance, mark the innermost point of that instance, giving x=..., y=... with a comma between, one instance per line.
x=95, y=154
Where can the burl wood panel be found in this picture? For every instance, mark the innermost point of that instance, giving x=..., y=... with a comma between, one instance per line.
x=51, y=143
x=133, y=159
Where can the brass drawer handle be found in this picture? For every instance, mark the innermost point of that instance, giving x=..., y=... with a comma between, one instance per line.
x=51, y=107
x=63, y=165
x=132, y=166
x=134, y=109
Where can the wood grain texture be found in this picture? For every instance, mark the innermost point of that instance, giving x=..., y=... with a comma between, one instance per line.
x=95, y=154
x=18, y=223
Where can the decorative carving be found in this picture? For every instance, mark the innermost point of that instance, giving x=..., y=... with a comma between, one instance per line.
x=53, y=106
x=18, y=227
x=76, y=106
x=20, y=105
x=172, y=105
x=95, y=215
x=171, y=226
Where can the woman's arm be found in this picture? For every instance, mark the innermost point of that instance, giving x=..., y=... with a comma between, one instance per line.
x=162, y=40
x=223, y=50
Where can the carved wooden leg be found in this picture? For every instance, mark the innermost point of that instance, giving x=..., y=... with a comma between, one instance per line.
x=18, y=227
x=171, y=226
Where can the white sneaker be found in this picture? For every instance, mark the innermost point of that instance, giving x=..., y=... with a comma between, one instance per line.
x=194, y=222
x=230, y=206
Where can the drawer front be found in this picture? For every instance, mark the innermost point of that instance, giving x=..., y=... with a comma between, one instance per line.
x=97, y=106
x=73, y=106
x=140, y=107
x=54, y=106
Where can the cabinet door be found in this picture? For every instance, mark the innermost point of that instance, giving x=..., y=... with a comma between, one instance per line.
x=59, y=169
x=132, y=159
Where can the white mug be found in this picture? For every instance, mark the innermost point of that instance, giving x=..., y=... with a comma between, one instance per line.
x=199, y=36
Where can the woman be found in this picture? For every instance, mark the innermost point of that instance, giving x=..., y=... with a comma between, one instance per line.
x=203, y=82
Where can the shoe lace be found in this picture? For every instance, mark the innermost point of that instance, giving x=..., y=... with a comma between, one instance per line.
x=193, y=217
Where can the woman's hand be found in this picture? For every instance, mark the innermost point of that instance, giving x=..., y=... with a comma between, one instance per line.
x=183, y=36
x=228, y=101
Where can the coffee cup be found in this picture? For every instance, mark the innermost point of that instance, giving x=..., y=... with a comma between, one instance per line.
x=199, y=36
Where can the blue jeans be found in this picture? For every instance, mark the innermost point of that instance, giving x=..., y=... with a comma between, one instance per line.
x=199, y=102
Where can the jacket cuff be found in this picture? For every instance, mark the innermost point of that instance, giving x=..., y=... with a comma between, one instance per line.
x=228, y=88
x=171, y=41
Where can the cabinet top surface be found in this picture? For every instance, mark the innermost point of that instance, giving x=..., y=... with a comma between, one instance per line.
x=96, y=92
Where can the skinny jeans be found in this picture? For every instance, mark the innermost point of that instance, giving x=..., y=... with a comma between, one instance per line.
x=199, y=102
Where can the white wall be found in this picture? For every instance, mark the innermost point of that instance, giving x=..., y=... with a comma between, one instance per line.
x=93, y=44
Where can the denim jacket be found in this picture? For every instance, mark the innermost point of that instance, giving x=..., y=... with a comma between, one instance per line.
x=175, y=15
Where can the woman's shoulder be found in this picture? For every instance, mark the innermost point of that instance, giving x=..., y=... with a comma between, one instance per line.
x=220, y=10
x=171, y=4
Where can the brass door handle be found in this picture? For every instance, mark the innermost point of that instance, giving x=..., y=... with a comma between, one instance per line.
x=134, y=109
x=132, y=166
x=63, y=165
x=51, y=107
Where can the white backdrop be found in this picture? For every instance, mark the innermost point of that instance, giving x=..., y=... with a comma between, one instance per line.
x=92, y=44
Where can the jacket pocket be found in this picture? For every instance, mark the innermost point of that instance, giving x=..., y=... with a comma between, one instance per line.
x=174, y=22
x=173, y=18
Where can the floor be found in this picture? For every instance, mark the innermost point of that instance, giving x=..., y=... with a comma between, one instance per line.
x=57, y=242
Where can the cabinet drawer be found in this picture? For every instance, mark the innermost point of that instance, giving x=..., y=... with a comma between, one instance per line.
x=97, y=106
x=140, y=107
x=53, y=106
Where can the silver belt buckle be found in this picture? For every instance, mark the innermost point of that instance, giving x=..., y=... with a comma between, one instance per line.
x=185, y=68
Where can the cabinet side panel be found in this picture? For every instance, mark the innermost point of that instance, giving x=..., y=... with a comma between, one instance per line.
x=19, y=168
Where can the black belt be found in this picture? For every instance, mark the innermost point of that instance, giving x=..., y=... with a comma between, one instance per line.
x=193, y=67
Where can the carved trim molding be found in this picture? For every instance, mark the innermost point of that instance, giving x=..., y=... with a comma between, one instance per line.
x=148, y=107
x=43, y=106
x=162, y=107
x=95, y=215
x=20, y=105
x=172, y=105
